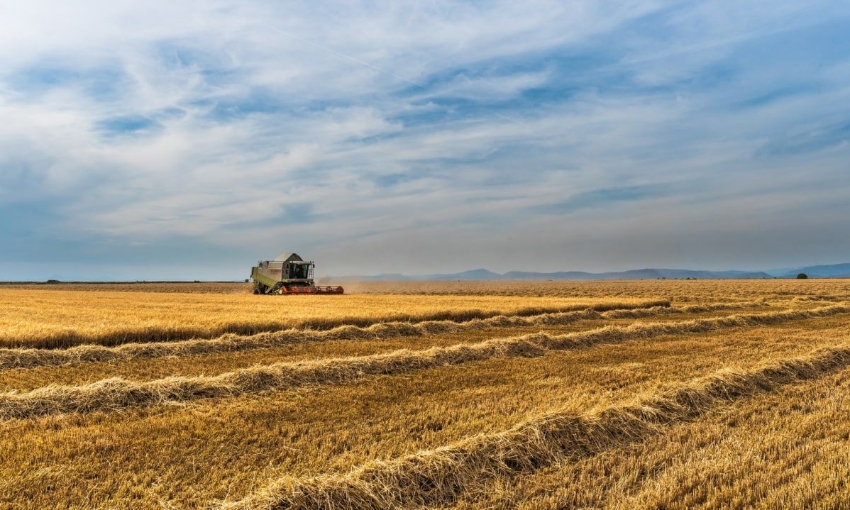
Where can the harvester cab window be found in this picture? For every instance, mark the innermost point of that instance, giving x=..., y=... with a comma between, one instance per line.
x=298, y=271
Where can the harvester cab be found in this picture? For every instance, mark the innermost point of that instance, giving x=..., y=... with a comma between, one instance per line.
x=288, y=274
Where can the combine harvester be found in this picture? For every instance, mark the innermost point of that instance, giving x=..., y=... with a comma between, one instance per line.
x=287, y=274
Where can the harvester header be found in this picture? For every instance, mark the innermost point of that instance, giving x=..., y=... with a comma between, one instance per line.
x=288, y=274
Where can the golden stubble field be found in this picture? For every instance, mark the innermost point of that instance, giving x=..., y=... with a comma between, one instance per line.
x=643, y=394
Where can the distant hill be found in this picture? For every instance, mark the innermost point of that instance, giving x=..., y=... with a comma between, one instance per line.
x=828, y=271
x=634, y=274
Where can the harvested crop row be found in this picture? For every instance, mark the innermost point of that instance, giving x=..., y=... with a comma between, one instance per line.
x=108, y=319
x=35, y=358
x=782, y=449
x=32, y=358
x=437, y=477
x=29, y=358
x=117, y=393
x=611, y=334
x=636, y=313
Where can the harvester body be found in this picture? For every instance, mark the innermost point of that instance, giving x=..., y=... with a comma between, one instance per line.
x=288, y=274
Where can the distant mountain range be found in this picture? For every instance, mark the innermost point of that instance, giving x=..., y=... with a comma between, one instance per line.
x=831, y=271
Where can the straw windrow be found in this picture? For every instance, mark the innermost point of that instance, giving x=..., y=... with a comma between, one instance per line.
x=32, y=358
x=437, y=477
x=69, y=338
x=117, y=393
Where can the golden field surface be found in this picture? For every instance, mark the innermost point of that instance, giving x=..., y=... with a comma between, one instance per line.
x=639, y=394
x=59, y=317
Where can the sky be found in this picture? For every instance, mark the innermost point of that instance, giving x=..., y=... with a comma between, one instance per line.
x=189, y=139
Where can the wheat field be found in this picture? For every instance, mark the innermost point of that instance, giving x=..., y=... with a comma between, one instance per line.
x=640, y=394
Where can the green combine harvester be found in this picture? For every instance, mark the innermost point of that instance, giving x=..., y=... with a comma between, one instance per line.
x=288, y=274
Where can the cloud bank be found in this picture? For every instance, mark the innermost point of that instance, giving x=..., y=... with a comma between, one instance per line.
x=189, y=139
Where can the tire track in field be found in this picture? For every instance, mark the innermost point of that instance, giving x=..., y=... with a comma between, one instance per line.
x=116, y=393
x=69, y=339
x=34, y=358
x=437, y=477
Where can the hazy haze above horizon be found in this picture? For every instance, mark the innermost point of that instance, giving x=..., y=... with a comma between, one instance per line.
x=187, y=140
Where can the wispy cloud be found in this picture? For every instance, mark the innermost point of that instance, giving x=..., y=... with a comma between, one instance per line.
x=374, y=136
x=601, y=198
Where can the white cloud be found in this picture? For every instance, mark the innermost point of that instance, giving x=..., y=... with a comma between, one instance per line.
x=249, y=124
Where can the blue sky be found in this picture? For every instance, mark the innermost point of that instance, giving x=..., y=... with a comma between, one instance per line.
x=186, y=140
